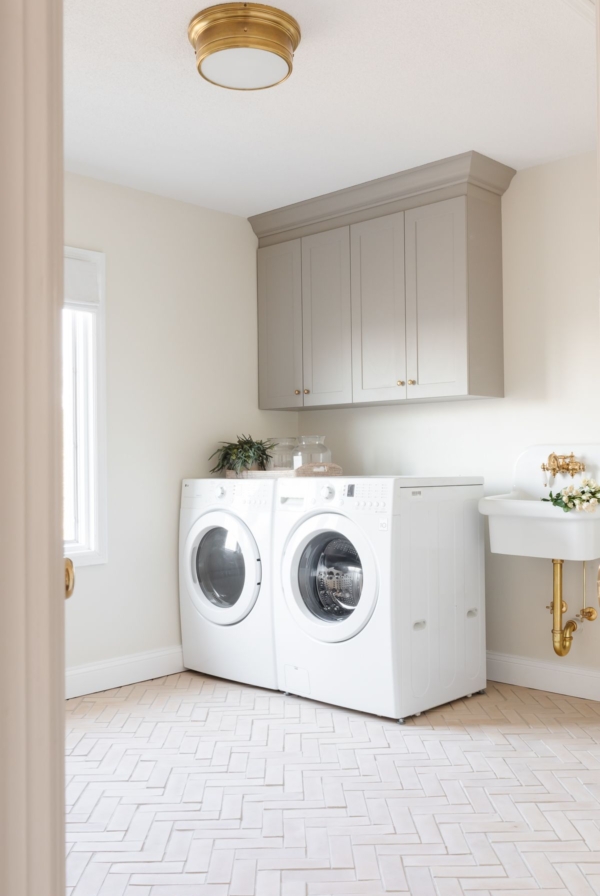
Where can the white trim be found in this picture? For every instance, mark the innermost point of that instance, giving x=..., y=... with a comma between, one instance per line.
x=556, y=677
x=122, y=670
x=100, y=553
x=585, y=8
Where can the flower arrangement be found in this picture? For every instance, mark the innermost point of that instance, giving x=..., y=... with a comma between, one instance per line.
x=585, y=497
x=242, y=455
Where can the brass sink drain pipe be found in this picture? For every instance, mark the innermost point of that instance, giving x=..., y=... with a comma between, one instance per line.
x=562, y=638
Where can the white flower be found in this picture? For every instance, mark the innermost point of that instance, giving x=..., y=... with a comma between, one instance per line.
x=593, y=501
x=590, y=508
x=593, y=483
x=585, y=481
x=581, y=506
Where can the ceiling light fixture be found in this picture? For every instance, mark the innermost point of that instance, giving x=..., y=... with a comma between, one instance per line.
x=244, y=46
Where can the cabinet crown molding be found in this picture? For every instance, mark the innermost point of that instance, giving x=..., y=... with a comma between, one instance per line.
x=466, y=168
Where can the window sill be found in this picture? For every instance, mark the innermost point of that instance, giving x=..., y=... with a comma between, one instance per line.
x=86, y=558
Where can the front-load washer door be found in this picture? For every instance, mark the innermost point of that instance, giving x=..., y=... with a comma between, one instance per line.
x=222, y=567
x=329, y=577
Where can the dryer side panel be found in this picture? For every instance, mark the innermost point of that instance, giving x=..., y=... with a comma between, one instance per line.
x=442, y=616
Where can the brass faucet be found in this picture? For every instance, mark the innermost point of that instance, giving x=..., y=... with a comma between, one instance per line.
x=563, y=463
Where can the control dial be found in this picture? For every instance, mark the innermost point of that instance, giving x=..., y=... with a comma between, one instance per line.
x=327, y=492
x=219, y=491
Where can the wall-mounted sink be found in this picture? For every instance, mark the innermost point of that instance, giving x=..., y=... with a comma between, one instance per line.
x=526, y=527
x=522, y=524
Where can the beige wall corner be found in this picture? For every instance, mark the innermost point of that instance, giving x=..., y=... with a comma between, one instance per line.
x=182, y=374
x=31, y=577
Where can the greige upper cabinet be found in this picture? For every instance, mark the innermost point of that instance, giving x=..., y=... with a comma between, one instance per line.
x=436, y=300
x=280, y=326
x=378, y=310
x=326, y=318
x=390, y=291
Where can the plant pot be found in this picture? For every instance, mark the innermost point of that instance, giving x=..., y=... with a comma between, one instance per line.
x=231, y=474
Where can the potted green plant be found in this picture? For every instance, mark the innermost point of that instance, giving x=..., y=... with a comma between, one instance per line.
x=236, y=458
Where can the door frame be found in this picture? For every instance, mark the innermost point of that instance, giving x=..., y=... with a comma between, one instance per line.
x=32, y=585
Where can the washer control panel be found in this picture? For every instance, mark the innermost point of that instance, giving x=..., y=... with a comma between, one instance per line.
x=365, y=495
x=240, y=493
x=370, y=494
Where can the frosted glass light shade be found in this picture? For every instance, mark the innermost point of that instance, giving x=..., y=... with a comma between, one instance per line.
x=244, y=68
x=244, y=46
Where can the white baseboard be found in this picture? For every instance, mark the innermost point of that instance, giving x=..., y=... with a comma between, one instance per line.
x=92, y=677
x=573, y=681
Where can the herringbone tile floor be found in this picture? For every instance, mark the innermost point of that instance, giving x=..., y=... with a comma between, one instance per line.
x=191, y=786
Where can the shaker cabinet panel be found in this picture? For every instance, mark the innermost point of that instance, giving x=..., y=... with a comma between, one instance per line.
x=280, y=326
x=326, y=318
x=436, y=300
x=378, y=309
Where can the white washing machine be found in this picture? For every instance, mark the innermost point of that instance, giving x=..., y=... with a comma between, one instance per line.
x=225, y=570
x=379, y=603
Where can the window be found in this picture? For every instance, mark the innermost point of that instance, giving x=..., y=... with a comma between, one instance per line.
x=84, y=454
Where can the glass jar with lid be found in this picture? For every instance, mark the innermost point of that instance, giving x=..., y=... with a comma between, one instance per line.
x=282, y=453
x=311, y=450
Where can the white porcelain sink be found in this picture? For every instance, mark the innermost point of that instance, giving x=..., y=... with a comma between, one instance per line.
x=522, y=524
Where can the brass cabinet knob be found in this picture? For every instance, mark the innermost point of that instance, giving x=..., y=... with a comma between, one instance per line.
x=307, y=391
x=400, y=382
x=412, y=382
x=296, y=391
x=69, y=577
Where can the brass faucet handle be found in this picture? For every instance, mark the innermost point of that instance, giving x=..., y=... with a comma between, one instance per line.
x=588, y=613
x=552, y=465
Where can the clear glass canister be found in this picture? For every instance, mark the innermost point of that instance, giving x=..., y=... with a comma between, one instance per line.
x=282, y=453
x=311, y=450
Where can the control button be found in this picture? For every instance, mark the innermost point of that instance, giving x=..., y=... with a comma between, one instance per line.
x=327, y=492
x=369, y=503
x=219, y=491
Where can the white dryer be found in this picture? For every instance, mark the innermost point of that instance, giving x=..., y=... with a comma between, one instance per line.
x=224, y=579
x=380, y=605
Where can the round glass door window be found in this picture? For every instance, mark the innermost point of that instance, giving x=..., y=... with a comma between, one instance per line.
x=220, y=567
x=330, y=577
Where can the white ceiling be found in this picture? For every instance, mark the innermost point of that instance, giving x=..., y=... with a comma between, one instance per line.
x=378, y=86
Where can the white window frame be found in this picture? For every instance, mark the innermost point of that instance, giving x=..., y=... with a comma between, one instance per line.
x=91, y=437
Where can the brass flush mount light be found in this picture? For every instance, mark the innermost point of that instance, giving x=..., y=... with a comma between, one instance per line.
x=244, y=46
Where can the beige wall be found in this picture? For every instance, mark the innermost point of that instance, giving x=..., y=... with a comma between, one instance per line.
x=552, y=358
x=181, y=375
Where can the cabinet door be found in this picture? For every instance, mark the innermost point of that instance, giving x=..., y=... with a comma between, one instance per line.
x=378, y=309
x=280, y=326
x=327, y=329
x=436, y=299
